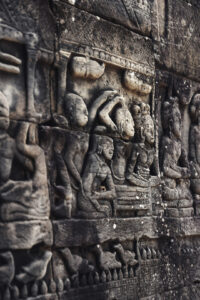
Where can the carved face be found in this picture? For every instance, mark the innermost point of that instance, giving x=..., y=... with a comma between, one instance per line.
x=145, y=109
x=76, y=110
x=125, y=123
x=81, y=115
x=149, y=130
x=183, y=90
x=108, y=149
x=136, y=111
x=4, y=123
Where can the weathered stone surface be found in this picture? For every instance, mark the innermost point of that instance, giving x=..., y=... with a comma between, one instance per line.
x=177, y=37
x=99, y=150
x=24, y=235
x=133, y=14
x=93, y=232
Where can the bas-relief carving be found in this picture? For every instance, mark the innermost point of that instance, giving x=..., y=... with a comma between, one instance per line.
x=105, y=165
x=175, y=164
x=98, y=263
x=30, y=40
x=16, y=195
x=36, y=269
x=24, y=199
x=108, y=114
x=143, y=152
x=97, y=180
x=132, y=13
x=84, y=67
x=194, y=150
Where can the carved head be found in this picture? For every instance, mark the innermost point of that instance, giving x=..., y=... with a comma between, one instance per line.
x=4, y=112
x=145, y=109
x=143, y=122
x=148, y=129
x=103, y=146
x=75, y=110
x=195, y=108
x=183, y=88
x=125, y=123
x=172, y=117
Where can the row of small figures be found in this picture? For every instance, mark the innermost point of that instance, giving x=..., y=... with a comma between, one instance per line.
x=94, y=278
x=14, y=292
x=149, y=253
x=80, y=280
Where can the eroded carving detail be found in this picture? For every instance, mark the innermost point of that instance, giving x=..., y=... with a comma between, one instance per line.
x=194, y=153
x=97, y=180
x=176, y=170
x=84, y=67
x=80, y=181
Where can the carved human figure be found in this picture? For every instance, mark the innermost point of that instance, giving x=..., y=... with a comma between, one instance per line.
x=75, y=110
x=97, y=179
x=62, y=205
x=8, y=146
x=183, y=88
x=28, y=199
x=77, y=143
x=70, y=151
x=110, y=111
x=175, y=164
x=194, y=150
x=143, y=151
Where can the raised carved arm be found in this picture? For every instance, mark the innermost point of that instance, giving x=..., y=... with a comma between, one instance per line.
x=104, y=114
x=97, y=104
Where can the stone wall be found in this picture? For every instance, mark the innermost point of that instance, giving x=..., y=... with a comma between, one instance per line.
x=99, y=149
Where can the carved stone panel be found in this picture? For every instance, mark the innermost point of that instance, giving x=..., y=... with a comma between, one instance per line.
x=99, y=150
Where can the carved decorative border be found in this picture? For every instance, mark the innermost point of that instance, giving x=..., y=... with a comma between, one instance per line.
x=105, y=56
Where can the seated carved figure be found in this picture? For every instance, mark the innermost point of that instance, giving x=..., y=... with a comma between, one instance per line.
x=194, y=151
x=143, y=151
x=175, y=165
x=112, y=115
x=97, y=180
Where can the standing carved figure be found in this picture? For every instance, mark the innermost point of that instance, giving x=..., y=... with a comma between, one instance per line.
x=70, y=151
x=175, y=164
x=97, y=180
x=194, y=151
